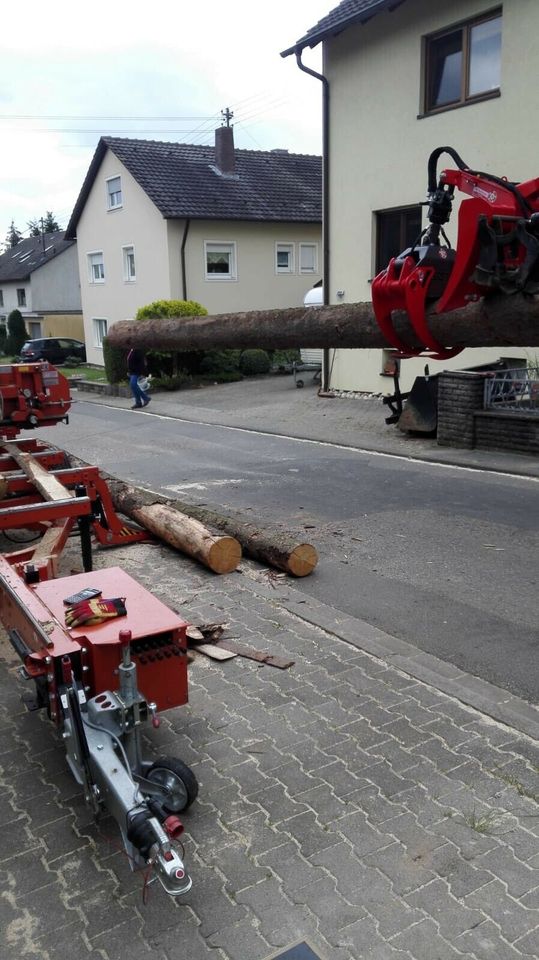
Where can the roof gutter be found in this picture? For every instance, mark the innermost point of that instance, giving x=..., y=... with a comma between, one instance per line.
x=325, y=192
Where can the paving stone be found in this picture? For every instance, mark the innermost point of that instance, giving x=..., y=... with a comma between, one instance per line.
x=326, y=903
x=277, y=804
x=323, y=802
x=486, y=943
x=424, y=942
x=309, y=835
x=518, y=877
x=389, y=784
x=241, y=941
x=451, y=915
x=513, y=919
x=462, y=877
x=101, y=909
x=287, y=862
x=363, y=838
x=295, y=779
x=406, y=874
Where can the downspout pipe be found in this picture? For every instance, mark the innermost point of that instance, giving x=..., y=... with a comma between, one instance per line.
x=182, y=257
x=325, y=195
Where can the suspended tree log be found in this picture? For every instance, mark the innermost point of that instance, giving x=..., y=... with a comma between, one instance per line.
x=221, y=554
x=273, y=547
x=498, y=321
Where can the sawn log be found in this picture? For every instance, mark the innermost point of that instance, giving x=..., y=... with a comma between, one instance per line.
x=496, y=321
x=271, y=547
x=221, y=554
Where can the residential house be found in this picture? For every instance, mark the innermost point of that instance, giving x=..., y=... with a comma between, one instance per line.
x=232, y=229
x=404, y=78
x=40, y=277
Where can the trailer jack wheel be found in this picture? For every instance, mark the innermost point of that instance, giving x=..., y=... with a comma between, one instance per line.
x=180, y=786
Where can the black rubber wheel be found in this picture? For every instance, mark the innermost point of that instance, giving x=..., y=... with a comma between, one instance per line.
x=299, y=383
x=180, y=786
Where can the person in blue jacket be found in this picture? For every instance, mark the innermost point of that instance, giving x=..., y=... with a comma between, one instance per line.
x=136, y=367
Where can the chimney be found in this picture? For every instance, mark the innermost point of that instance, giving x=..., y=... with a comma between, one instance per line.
x=224, y=151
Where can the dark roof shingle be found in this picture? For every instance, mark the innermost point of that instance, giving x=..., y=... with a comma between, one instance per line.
x=20, y=261
x=182, y=181
x=344, y=15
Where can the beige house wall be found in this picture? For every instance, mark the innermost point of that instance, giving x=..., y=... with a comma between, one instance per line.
x=136, y=223
x=258, y=285
x=379, y=148
x=63, y=325
x=158, y=244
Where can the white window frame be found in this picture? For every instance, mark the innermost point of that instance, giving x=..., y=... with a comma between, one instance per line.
x=111, y=194
x=314, y=246
x=285, y=248
x=128, y=249
x=100, y=330
x=21, y=297
x=227, y=246
x=91, y=277
x=1, y=298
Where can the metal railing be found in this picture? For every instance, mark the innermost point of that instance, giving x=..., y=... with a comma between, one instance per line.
x=516, y=389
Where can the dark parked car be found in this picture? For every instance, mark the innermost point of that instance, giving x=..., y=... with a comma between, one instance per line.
x=53, y=349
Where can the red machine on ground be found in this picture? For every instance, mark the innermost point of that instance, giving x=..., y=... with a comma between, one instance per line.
x=85, y=656
x=497, y=250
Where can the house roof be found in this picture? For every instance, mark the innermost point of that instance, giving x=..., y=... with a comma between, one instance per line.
x=20, y=261
x=346, y=14
x=182, y=181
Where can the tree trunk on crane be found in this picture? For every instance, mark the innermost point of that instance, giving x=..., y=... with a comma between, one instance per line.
x=496, y=321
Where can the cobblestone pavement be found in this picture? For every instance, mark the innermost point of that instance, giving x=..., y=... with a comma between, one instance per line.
x=349, y=802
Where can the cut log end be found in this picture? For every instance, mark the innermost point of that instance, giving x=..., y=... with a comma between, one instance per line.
x=302, y=560
x=224, y=555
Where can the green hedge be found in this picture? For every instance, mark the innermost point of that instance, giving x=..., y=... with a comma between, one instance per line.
x=115, y=360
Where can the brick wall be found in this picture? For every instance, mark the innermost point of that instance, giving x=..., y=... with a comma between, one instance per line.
x=505, y=430
x=460, y=395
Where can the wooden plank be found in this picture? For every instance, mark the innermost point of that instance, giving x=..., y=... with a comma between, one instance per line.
x=49, y=487
x=215, y=653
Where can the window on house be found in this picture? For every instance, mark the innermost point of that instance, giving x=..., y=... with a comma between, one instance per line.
x=308, y=258
x=96, y=267
x=1, y=298
x=100, y=331
x=284, y=258
x=34, y=329
x=21, y=297
x=220, y=261
x=395, y=230
x=463, y=64
x=129, y=263
x=114, y=192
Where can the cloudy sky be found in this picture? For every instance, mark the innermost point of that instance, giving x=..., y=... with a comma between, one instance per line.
x=70, y=73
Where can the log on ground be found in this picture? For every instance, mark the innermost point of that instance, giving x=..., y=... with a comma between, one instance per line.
x=221, y=554
x=272, y=547
x=495, y=321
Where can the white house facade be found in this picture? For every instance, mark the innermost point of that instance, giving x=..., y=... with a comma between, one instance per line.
x=231, y=229
x=405, y=78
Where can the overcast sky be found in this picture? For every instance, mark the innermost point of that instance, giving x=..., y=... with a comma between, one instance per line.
x=70, y=73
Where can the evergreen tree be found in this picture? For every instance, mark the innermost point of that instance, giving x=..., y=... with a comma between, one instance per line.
x=50, y=223
x=17, y=334
x=13, y=237
x=34, y=228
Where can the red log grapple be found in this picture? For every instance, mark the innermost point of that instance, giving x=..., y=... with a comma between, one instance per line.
x=497, y=251
x=87, y=676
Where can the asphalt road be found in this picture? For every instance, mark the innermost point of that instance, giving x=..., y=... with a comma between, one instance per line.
x=442, y=557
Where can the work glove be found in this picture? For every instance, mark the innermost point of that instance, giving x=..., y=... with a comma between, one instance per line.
x=94, y=611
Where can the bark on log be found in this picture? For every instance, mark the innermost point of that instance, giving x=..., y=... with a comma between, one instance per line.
x=270, y=547
x=221, y=554
x=496, y=321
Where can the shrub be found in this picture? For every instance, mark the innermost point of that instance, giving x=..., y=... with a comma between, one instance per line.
x=220, y=361
x=165, y=363
x=171, y=383
x=17, y=334
x=3, y=337
x=115, y=360
x=254, y=361
x=171, y=308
